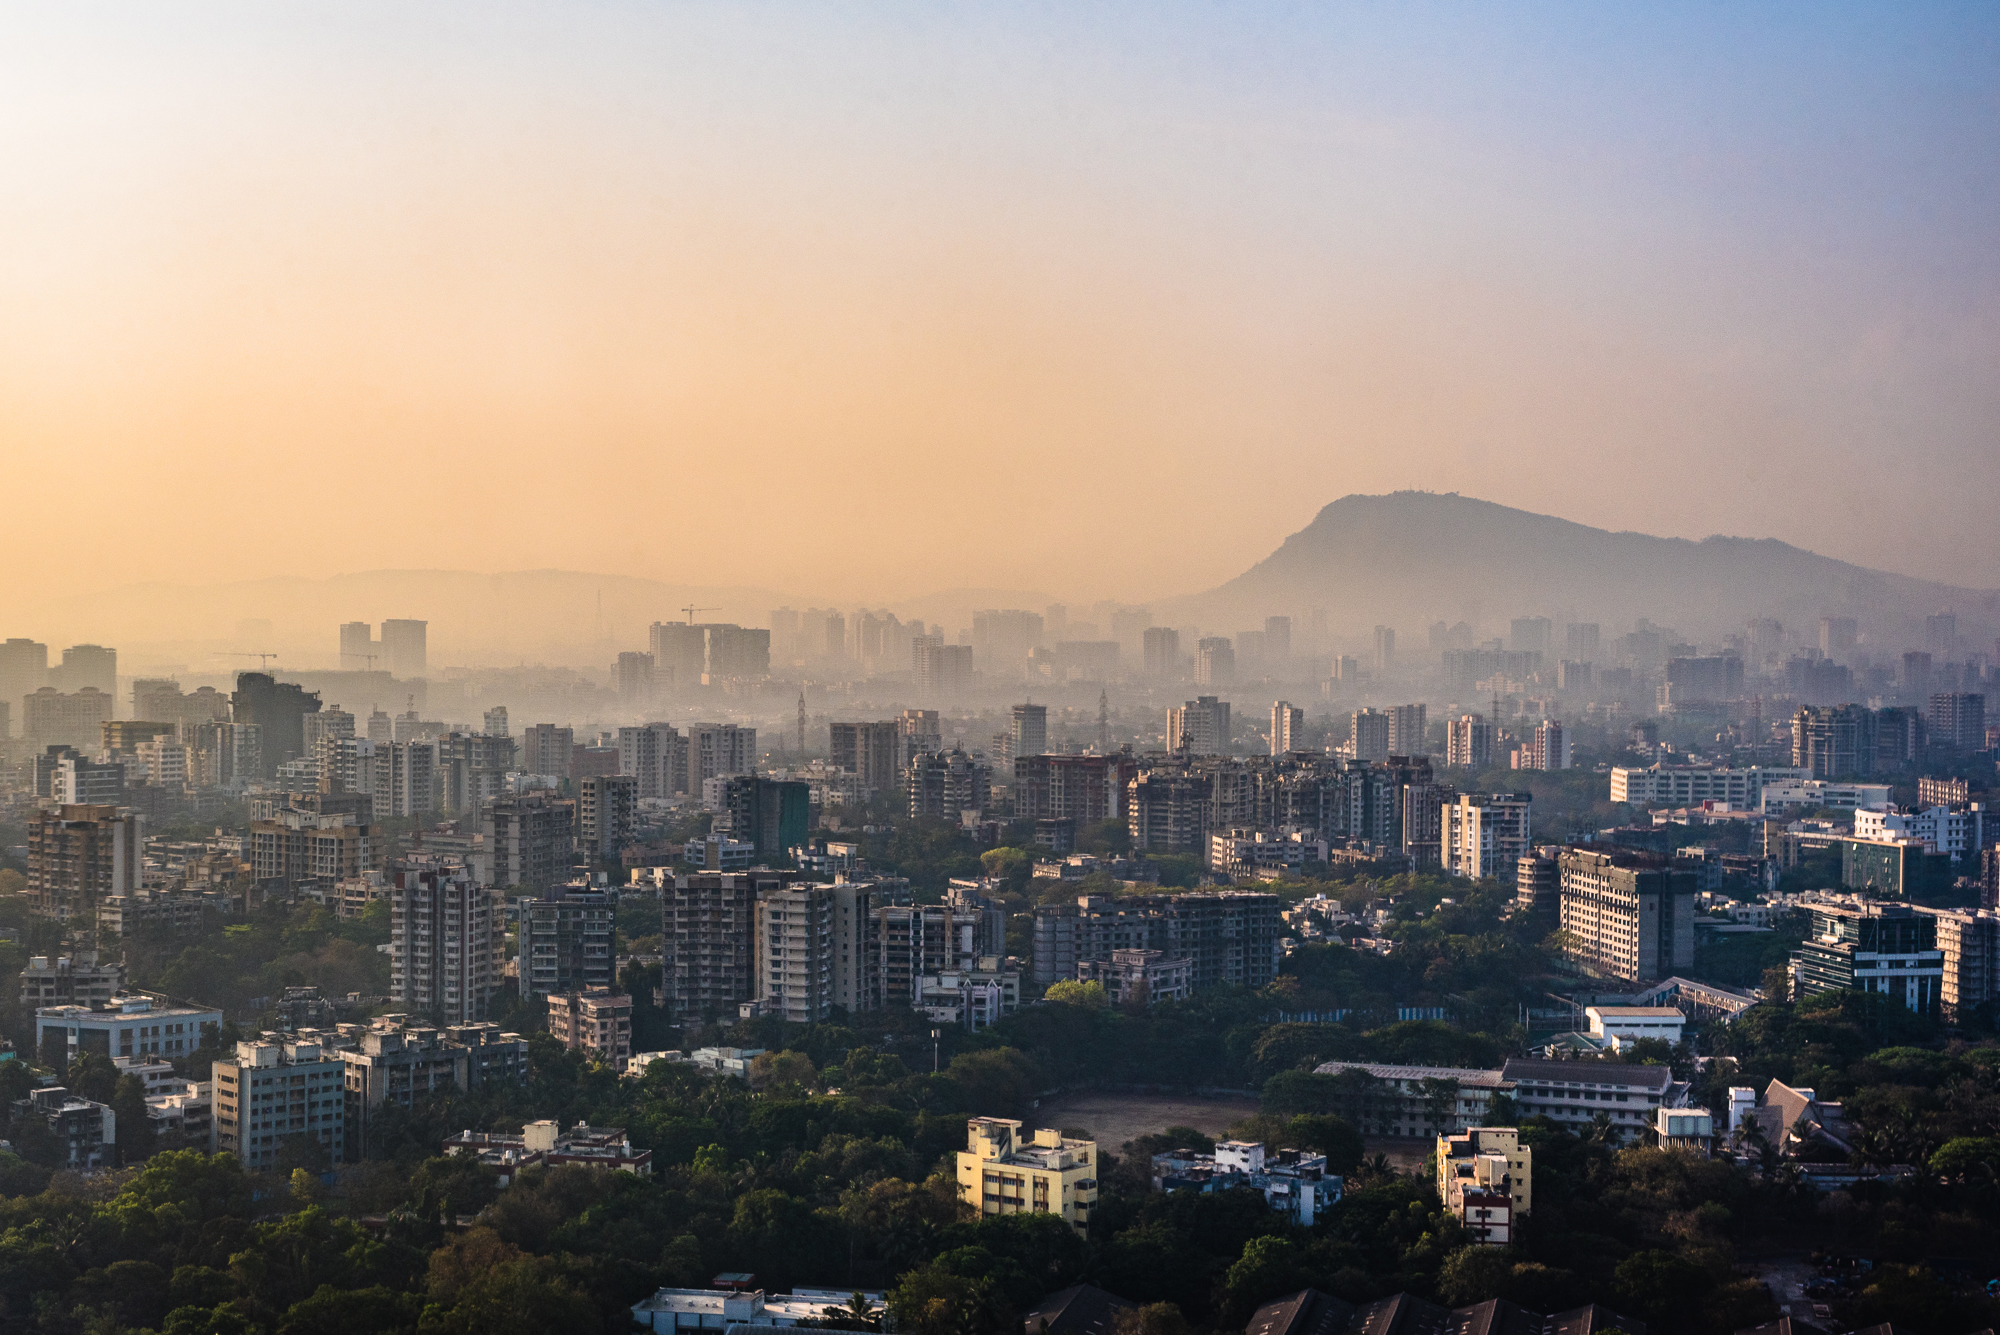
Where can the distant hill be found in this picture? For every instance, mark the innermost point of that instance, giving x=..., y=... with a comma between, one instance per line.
x=1410, y=558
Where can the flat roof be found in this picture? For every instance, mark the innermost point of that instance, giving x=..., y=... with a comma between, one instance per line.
x=1465, y=1075
x=1636, y=1012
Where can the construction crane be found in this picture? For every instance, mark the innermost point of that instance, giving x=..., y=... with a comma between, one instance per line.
x=263, y=660
x=692, y=610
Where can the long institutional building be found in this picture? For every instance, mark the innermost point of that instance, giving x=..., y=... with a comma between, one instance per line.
x=1445, y=1100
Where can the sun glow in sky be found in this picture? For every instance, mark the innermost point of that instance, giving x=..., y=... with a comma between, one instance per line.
x=866, y=300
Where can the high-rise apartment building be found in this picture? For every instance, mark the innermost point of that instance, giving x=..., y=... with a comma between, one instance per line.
x=275, y=1090
x=1277, y=641
x=566, y=942
x=717, y=750
x=1288, y=725
x=279, y=710
x=942, y=671
x=225, y=755
x=771, y=815
x=1385, y=650
x=1547, y=748
x=1030, y=730
x=359, y=651
x=1002, y=640
x=1368, y=735
x=55, y=718
x=546, y=748
x=24, y=669
x=87, y=667
x=1941, y=634
x=1838, y=636
x=527, y=841
x=1530, y=634
x=1214, y=661
x=1877, y=947
x=447, y=941
x=293, y=849
x=1627, y=915
x=598, y=1022
x=1957, y=721
x=1581, y=639
x=494, y=723
x=795, y=951
x=406, y=646
x=709, y=922
x=79, y=857
x=944, y=785
x=606, y=811
x=870, y=751
x=1406, y=729
x=1834, y=741
x=318, y=733
x=633, y=679
x=655, y=755
x=918, y=732
x=1969, y=942
x=1719, y=677
x=1200, y=727
x=405, y=778
x=1162, y=651
x=1423, y=802
x=1484, y=834
x=1229, y=937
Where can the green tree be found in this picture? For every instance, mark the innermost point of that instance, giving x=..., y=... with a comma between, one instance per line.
x=1332, y=1136
x=1268, y=1268
x=1069, y=992
x=134, y=1127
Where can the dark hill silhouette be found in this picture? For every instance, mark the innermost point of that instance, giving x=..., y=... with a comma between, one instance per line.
x=1412, y=557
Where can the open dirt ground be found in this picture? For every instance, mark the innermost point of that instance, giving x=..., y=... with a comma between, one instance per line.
x=1113, y=1118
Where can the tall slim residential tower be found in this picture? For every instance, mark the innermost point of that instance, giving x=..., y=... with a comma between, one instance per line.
x=80, y=856
x=1214, y=661
x=795, y=954
x=870, y=751
x=566, y=942
x=546, y=748
x=606, y=805
x=447, y=941
x=1288, y=724
x=716, y=750
x=495, y=722
x=709, y=923
x=1469, y=742
x=1484, y=834
x=1162, y=649
x=24, y=669
x=406, y=646
x=359, y=651
x=1030, y=732
x=1406, y=729
x=1368, y=735
x=1385, y=650
x=1200, y=727
x=1278, y=640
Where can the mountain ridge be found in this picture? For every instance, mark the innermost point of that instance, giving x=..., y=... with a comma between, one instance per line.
x=1409, y=558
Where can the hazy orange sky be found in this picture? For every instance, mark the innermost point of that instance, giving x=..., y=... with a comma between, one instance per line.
x=865, y=300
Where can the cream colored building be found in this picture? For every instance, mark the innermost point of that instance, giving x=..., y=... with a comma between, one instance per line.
x=1001, y=1172
x=1485, y=1176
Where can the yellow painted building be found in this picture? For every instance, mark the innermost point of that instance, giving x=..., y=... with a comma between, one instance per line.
x=1485, y=1176
x=1002, y=1172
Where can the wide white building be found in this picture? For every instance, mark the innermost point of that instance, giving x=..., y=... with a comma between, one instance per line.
x=1690, y=785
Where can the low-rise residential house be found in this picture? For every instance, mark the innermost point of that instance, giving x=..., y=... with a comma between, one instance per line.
x=543, y=1143
x=1293, y=1182
x=716, y=1309
x=1140, y=977
x=87, y=1131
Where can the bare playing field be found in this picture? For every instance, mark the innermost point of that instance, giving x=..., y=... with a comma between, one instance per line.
x=1112, y=1118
